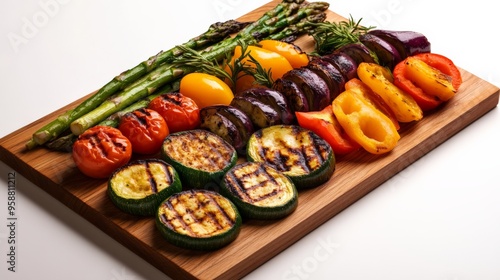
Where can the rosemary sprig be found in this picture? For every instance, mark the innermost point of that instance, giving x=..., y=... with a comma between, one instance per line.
x=194, y=59
x=262, y=76
x=237, y=66
x=240, y=66
x=330, y=36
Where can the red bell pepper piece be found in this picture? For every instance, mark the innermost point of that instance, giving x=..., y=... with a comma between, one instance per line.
x=327, y=127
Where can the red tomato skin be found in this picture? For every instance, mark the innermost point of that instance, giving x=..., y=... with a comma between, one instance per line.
x=179, y=111
x=100, y=150
x=146, y=129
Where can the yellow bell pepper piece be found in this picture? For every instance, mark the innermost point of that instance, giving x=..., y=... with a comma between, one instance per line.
x=364, y=123
x=380, y=80
x=429, y=79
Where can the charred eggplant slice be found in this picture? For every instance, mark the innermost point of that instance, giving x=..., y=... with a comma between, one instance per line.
x=260, y=191
x=297, y=152
x=212, y=120
x=330, y=74
x=140, y=186
x=200, y=157
x=346, y=64
x=407, y=43
x=359, y=52
x=198, y=220
x=295, y=96
x=239, y=119
x=273, y=98
x=260, y=113
x=312, y=85
x=387, y=54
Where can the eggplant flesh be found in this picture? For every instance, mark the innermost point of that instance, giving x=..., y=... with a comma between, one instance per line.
x=222, y=126
x=273, y=98
x=387, y=54
x=261, y=114
x=230, y=123
x=408, y=43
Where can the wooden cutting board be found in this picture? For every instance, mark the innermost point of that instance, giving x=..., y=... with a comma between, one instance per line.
x=355, y=175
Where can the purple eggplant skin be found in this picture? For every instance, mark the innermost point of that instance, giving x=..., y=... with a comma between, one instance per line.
x=275, y=99
x=314, y=87
x=214, y=122
x=408, y=43
x=387, y=54
x=346, y=64
x=359, y=52
x=261, y=114
x=242, y=122
x=293, y=94
x=330, y=74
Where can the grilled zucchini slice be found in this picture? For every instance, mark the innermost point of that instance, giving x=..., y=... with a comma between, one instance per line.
x=260, y=191
x=297, y=152
x=200, y=157
x=198, y=219
x=140, y=186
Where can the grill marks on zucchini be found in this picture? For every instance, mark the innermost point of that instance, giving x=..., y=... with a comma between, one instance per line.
x=256, y=184
x=260, y=191
x=291, y=150
x=197, y=215
x=198, y=219
x=198, y=150
x=297, y=152
x=140, y=186
x=201, y=157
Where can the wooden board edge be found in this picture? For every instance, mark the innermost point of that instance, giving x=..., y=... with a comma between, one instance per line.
x=348, y=199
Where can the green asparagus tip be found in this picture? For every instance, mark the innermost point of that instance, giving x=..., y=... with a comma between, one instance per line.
x=31, y=144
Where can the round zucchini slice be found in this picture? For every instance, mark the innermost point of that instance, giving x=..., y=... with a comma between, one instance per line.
x=200, y=157
x=297, y=152
x=198, y=219
x=260, y=191
x=140, y=186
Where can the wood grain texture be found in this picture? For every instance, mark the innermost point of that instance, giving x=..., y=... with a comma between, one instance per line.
x=356, y=174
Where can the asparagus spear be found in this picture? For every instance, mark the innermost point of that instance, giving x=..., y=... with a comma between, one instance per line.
x=215, y=33
x=64, y=142
x=166, y=73
x=114, y=119
x=290, y=33
x=310, y=9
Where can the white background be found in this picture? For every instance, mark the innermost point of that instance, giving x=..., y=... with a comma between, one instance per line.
x=439, y=219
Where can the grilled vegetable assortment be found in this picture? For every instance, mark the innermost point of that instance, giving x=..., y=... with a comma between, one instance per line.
x=250, y=115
